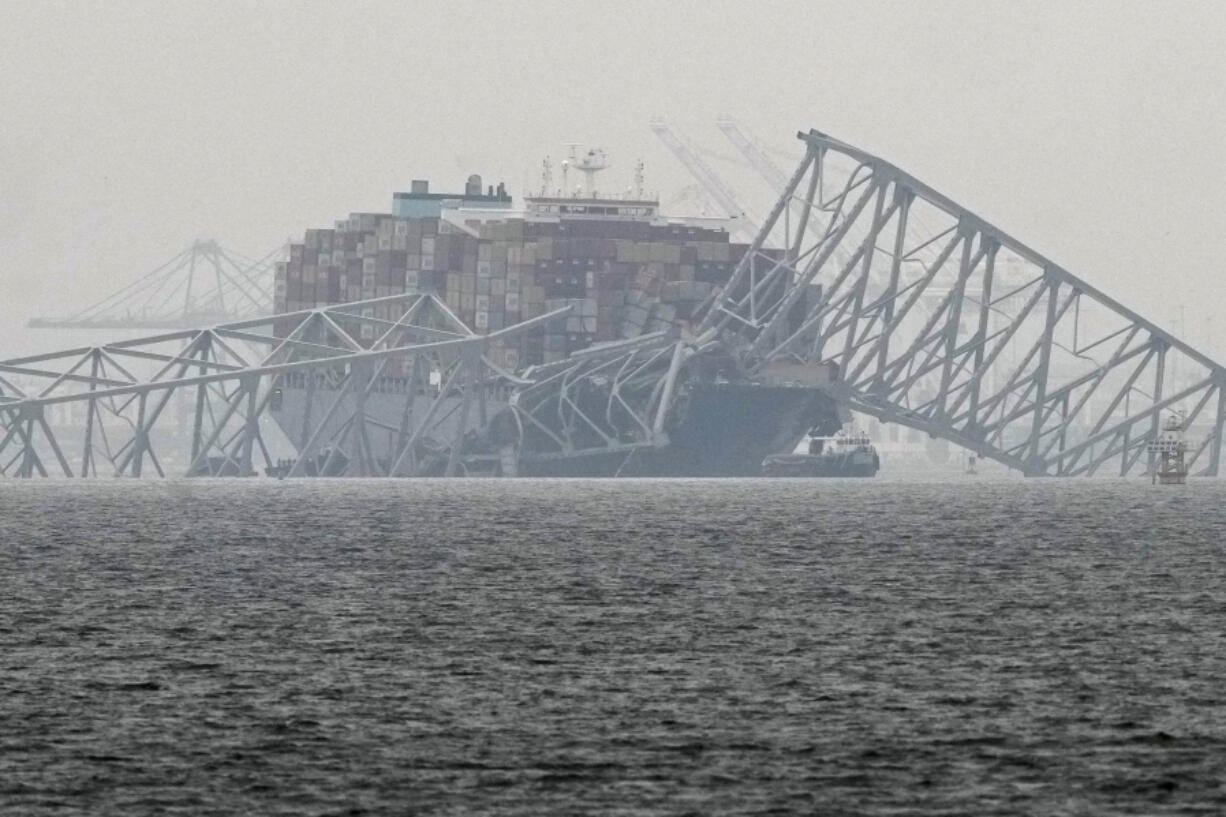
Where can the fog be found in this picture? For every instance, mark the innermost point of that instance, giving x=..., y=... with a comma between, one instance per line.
x=1095, y=132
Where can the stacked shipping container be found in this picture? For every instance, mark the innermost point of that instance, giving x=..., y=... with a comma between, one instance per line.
x=622, y=277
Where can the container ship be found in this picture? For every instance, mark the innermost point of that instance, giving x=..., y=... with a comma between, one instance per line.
x=623, y=268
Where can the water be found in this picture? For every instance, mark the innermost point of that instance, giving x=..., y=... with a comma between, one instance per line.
x=974, y=647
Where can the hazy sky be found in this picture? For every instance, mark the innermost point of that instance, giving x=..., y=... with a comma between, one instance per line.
x=1095, y=132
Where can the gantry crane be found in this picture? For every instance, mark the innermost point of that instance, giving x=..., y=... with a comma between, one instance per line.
x=203, y=283
x=758, y=160
x=705, y=176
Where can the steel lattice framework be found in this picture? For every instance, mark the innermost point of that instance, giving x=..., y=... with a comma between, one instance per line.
x=932, y=317
x=229, y=374
x=928, y=316
x=941, y=321
x=204, y=283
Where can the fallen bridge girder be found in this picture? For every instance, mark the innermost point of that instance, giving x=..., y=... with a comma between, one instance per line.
x=933, y=317
x=232, y=387
x=1041, y=410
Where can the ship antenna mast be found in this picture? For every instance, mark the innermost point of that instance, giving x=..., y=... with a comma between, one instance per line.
x=638, y=180
x=546, y=176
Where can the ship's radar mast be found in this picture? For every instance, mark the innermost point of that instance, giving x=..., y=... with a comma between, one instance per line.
x=590, y=164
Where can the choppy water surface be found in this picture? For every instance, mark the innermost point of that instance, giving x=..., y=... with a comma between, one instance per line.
x=612, y=647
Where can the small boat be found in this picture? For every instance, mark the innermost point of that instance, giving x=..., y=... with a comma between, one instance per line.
x=840, y=455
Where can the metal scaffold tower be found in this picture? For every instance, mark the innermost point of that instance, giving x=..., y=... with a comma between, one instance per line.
x=204, y=283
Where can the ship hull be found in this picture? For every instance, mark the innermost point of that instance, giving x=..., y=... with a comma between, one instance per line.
x=714, y=430
x=858, y=464
x=717, y=430
x=302, y=414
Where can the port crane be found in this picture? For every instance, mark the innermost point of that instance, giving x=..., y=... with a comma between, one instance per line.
x=205, y=282
x=757, y=159
x=704, y=175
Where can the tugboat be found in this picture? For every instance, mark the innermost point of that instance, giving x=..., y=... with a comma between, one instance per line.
x=840, y=455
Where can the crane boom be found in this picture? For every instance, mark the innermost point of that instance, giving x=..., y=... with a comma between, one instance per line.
x=767, y=169
x=703, y=174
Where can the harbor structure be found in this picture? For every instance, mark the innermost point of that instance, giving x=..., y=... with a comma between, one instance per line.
x=865, y=289
x=203, y=283
x=1169, y=453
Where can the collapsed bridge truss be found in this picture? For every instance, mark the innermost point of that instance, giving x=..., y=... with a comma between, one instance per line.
x=928, y=316
x=932, y=318
x=221, y=382
x=941, y=321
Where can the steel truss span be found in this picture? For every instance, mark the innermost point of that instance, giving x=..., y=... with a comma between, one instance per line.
x=863, y=284
x=219, y=384
x=940, y=321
